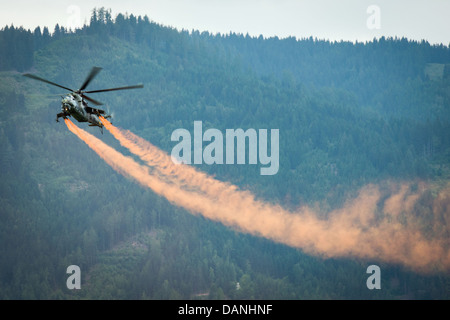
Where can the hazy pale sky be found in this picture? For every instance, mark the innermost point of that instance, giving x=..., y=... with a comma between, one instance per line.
x=325, y=19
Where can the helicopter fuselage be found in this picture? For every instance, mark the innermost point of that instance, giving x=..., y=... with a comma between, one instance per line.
x=74, y=105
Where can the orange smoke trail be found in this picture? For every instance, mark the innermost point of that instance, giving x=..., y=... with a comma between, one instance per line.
x=155, y=157
x=354, y=230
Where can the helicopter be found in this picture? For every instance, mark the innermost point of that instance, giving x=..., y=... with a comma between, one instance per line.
x=74, y=104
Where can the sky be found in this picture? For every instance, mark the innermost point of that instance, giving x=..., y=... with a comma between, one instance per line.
x=348, y=20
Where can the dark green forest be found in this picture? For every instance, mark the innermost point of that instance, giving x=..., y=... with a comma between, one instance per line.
x=349, y=114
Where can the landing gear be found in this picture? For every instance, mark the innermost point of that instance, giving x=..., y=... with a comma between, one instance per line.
x=60, y=115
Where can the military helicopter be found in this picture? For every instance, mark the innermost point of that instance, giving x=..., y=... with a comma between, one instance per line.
x=74, y=104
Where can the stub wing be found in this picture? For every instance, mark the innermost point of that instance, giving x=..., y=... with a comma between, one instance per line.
x=94, y=110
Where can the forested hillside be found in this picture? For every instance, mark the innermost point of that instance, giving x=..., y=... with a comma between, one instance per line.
x=349, y=114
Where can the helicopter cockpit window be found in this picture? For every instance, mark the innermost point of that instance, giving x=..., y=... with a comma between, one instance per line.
x=68, y=101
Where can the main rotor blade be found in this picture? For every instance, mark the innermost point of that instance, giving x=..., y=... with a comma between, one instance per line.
x=94, y=72
x=138, y=86
x=32, y=76
x=97, y=103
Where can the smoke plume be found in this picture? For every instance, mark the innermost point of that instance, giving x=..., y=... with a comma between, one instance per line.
x=379, y=224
